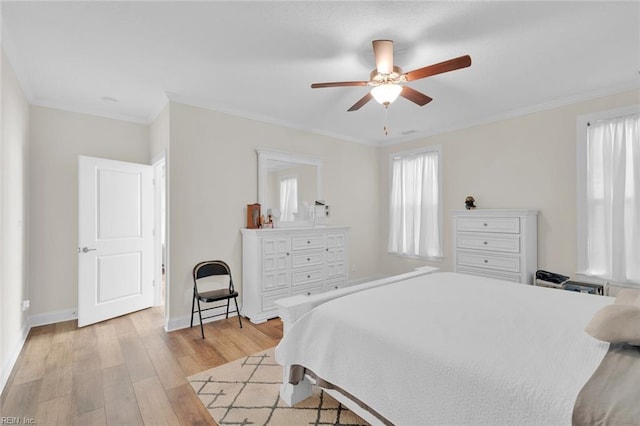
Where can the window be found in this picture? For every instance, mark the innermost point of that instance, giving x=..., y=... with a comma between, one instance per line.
x=415, y=213
x=288, y=199
x=609, y=195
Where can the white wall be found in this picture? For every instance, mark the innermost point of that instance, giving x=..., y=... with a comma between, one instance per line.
x=522, y=162
x=57, y=139
x=159, y=134
x=14, y=156
x=213, y=176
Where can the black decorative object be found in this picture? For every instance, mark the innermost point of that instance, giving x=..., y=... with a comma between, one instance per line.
x=469, y=203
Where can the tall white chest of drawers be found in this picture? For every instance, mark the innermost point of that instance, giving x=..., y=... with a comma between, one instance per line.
x=284, y=262
x=500, y=243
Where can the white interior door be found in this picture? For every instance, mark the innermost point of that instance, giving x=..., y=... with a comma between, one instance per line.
x=115, y=239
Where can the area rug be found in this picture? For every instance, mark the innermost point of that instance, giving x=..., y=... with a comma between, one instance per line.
x=246, y=392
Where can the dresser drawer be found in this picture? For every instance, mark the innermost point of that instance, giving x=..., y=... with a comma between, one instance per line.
x=510, y=225
x=274, y=246
x=336, y=255
x=308, y=289
x=336, y=270
x=275, y=280
x=508, y=243
x=489, y=261
x=307, y=276
x=307, y=258
x=311, y=241
x=336, y=240
x=337, y=283
x=504, y=276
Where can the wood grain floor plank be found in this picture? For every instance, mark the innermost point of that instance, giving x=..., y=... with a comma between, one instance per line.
x=167, y=367
x=120, y=402
x=123, y=326
x=85, y=350
x=92, y=418
x=136, y=357
x=64, y=379
x=189, y=411
x=56, y=411
x=178, y=343
x=20, y=400
x=154, y=404
x=34, y=356
x=64, y=332
x=108, y=345
x=56, y=381
x=87, y=391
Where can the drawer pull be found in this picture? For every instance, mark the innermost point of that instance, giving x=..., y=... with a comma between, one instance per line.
x=326, y=249
x=308, y=242
x=485, y=243
x=484, y=224
x=486, y=261
x=335, y=286
x=308, y=293
x=308, y=259
x=287, y=253
x=308, y=276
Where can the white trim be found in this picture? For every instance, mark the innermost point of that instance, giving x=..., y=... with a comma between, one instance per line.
x=610, y=91
x=211, y=106
x=11, y=361
x=158, y=163
x=53, y=317
x=581, y=178
x=89, y=111
x=158, y=110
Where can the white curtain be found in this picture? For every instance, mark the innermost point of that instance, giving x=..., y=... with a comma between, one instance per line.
x=613, y=199
x=414, y=216
x=288, y=199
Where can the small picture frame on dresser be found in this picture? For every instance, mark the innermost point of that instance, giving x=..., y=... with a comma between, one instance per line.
x=253, y=216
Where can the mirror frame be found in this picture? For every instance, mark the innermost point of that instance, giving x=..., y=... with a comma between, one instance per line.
x=265, y=155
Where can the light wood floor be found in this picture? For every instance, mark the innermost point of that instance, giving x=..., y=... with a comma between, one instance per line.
x=125, y=371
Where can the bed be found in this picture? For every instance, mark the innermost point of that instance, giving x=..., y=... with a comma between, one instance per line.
x=445, y=348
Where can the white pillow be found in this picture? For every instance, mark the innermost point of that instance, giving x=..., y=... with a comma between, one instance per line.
x=616, y=323
x=628, y=296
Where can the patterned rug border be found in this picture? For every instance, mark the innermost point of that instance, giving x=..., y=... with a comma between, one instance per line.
x=235, y=395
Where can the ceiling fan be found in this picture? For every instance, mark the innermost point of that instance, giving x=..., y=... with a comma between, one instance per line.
x=387, y=79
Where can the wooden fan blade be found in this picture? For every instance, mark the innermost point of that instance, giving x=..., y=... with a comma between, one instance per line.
x=339, y=84
x=439, y=68
x=415, y=96
x=366, y=98
x=383, y=52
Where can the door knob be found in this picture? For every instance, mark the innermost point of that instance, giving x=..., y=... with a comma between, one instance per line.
x=87, y=249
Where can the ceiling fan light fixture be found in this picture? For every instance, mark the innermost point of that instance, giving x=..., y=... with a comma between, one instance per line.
x=385, y=94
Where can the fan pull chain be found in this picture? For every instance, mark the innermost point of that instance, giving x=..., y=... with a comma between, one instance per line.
x=386, y=121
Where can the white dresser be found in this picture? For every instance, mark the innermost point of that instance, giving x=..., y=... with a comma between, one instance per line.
x=501, y=244
x=284, y=262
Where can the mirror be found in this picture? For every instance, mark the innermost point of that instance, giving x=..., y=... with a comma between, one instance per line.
x=288, y=186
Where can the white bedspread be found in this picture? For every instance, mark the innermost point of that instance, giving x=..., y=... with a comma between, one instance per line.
x=452, y=349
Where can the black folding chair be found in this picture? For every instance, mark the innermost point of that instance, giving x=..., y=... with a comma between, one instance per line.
x=207, y=269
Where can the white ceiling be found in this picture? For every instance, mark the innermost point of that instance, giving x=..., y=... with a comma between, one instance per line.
x=258, y=59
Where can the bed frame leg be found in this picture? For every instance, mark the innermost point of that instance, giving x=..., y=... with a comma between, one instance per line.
x=292, y=394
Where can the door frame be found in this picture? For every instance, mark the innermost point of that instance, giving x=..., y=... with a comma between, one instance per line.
x=158, y=162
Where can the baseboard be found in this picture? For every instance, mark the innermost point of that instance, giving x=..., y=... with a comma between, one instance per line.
x=53, y=317
x=11, y=362
x=185, y=321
